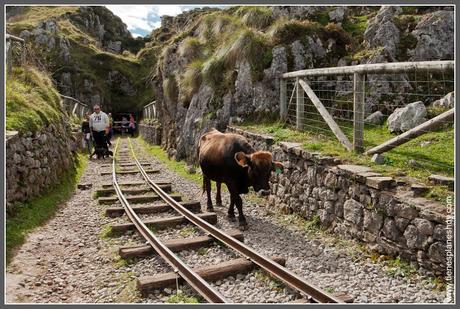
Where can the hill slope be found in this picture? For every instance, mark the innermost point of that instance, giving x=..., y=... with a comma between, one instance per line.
x=90, y=52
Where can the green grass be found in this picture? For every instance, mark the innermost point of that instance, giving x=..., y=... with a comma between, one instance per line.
x=436, y=157
x=182, y=298
x=32, y=102
x=397, y=267
x=177, y=166
x=188, y=231
x=37, y=211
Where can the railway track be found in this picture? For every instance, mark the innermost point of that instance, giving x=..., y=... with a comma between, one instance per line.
x=197, y=278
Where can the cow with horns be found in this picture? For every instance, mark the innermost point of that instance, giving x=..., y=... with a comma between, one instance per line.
x=228, y=158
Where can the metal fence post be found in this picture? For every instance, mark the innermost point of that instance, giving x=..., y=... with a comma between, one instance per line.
x=283, y=106
x=358, y=111
x=300, y=106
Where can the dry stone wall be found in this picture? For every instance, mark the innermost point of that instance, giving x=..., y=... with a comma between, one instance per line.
x=355, y=202
x=150, y=133
x=35, y=161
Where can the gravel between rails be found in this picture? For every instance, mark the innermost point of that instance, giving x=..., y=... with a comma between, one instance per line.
x=69, y=261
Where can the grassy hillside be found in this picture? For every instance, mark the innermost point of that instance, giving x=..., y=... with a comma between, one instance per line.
x=32, y=101
x=88, y=60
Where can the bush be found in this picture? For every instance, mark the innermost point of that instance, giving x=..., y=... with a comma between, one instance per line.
x=286, y=31
x=337, y=33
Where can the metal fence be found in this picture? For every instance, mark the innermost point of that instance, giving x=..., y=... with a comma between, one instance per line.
x=149, y=111
x=334, y=102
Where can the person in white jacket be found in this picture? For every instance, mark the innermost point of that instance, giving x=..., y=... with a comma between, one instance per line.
x=99, y=125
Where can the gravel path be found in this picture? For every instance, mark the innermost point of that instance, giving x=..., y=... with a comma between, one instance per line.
x=80, y=264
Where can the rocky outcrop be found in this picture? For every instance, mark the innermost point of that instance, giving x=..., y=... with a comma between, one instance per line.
x=382, y=31
x=435, y=37
x=406, y=118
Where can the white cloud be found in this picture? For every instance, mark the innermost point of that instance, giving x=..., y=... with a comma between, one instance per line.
x=134, y=16
x=136, y=35
x=171, y=10
x=157, y=24
x=146, y=17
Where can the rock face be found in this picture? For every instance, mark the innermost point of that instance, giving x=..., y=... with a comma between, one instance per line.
x=382, y=31
x=435, y=37
x=338, y=14
x=447, y=102
x=408, y=117
x=37, y=160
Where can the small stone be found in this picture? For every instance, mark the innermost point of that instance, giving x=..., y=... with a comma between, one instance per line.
x=378, y=158
x=419, y=190
x=442, y=180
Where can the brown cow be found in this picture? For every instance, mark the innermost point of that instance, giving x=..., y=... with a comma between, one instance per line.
x=228, y=158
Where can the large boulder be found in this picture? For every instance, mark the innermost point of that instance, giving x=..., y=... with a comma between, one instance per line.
x=435, y=37
x=447, y=102
x=406, y=118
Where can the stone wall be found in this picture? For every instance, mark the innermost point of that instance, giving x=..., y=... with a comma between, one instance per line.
x=354, y=202
x=35, y=161
x=151, y=133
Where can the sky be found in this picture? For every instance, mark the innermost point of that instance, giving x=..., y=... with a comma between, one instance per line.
x=142, y=19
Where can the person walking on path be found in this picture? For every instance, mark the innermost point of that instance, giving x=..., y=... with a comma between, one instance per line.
x=132, y=125
x=109, y=136
x=87, y=133
x=99, y=124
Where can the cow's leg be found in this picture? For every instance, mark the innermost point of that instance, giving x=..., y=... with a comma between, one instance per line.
x=239, y=206
x=231, y=209
x=207, y=185
x=218, y=197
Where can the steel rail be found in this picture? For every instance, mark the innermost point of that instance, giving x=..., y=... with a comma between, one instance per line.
x=267, y=264
x=197, y=283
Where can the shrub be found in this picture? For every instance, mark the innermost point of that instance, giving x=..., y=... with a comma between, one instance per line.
x=286, y=31
x=337, y=33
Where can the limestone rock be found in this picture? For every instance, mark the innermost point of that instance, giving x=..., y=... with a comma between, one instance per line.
x=338, y=14
x=406, y=118
x=446, y=102
x=382, y=31
x=375, y=118
x=435, y=37
x=353, y=212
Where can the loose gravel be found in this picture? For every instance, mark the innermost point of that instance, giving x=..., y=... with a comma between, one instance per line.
x=71, y=260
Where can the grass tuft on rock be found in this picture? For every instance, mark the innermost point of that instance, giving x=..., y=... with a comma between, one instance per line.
x=190, y=81
x=256, y=16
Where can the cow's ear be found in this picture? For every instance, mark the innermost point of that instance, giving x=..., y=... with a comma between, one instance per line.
x=242, y=159
x=277, y=166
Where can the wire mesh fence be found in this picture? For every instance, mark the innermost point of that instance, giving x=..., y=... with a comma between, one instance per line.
x=392, y=107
